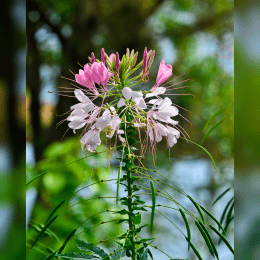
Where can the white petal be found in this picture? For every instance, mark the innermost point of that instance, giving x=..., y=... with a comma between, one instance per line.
x=152, y=101
x=168, y=111
x=162, y=129
x=121, y=102
x=115, y=122
x=103, y=121
x=164, y=103
x=173, y=131
x=127, y=92
x=156, y=92
x=140, y=103
x=77, y=124
x=136, y=95
x=139, y=124
x=80, y=96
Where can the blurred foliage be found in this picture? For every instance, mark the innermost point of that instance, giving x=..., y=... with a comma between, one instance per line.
x=57, y=185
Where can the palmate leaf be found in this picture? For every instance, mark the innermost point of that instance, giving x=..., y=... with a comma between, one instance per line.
x=143, y=256
x=197, y=207
x=225, y=210
x=218, y=112
x=77, y=256
x=90, y=247
x=118, y=253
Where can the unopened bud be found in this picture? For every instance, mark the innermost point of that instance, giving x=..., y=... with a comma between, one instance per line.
x=134, y=60
x=144, y=61
x=151, y=60
x=117, y=64
x=103, y=58
x=92, y=57
x=127, y=53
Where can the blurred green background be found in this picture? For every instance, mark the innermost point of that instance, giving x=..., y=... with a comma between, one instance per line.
x=196, y=38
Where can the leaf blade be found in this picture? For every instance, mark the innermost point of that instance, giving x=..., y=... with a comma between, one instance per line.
x=153, y=206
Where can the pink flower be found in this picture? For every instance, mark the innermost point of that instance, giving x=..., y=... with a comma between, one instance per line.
x=164, y=72
x=99, y=73
x=83, y=78
x=111, y=57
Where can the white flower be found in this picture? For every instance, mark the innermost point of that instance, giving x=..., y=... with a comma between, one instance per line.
x=156, y=92
x=91, y=140
x=85, y=104
x=172, y=136
x=137, y=97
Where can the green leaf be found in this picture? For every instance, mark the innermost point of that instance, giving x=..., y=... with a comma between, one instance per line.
x=211, y=118
x=194, y=249
x=118, y=253
x=203, y=150
x=144, y=255
x=210, y=239
x=43, y=230
x=225, y=210
x=204, y=235
x=66, y=241
x=220, y=196
x=90, y=247
x=212, y=217
x=50, y=256
x=137, y=219
x=197, y=207
x=223, y=238
x=56, y=208
x=78, y=256
x=210, y=130
x=153, y=206
x=187, y=227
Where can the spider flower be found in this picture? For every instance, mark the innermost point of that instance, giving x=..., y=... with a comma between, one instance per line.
x=111, y=78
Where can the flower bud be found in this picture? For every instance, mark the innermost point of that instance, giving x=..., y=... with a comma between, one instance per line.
x=144, y=61
x=127, y=53
x=92, y=57
x=103, y=58
x=151, y=60
x=117, y=64
x=134, y=60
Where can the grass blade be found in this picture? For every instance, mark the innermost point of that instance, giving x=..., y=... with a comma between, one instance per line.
x=203, y=150
x=67, y=240
x=204, y=235
x=194, y=249
x=187, y=227
x=56, y=208
x=223, y=238
x=210, y=130
x=197, y=207
x=220, y=196
x=218, y=112
x=210, y=240
x=215, y=220
x=43, y=230
x=153, y=206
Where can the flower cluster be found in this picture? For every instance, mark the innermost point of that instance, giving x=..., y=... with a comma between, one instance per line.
x=109, y=79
